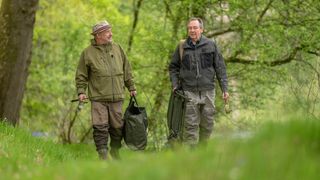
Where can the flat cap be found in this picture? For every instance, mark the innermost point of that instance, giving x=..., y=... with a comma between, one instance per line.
x=100, y=26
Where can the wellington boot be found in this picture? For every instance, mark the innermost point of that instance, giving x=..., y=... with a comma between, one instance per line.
x=103, y=154
x=115, y=154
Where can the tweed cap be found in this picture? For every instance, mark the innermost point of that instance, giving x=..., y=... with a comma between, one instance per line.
x=100, y=26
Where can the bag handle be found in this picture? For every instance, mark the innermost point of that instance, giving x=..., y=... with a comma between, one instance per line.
x=133, y=100
x=181, y=94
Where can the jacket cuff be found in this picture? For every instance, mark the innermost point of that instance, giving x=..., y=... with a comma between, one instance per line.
x=224, y=89
x=132, y=88
x=81, y=91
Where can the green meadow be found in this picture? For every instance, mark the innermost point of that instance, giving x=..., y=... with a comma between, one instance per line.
x=286, y=150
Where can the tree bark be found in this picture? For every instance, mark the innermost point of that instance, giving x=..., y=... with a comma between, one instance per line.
x=17, y=18
x=136, y=9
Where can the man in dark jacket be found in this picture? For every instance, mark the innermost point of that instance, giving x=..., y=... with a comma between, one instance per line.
x=195, y=74
x=105, y=70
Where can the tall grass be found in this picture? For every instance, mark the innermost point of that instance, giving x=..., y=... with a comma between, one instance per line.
x=20, y=152
x=286, y=150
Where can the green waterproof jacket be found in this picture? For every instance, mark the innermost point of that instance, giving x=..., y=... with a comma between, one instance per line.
x=106, y=71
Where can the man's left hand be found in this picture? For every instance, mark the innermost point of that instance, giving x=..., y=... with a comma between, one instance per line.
x=133, y=93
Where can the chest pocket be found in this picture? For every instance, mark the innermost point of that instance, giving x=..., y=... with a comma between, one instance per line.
x=117, y=63
x=186, y=61
x=98, y=65
x=206, y=59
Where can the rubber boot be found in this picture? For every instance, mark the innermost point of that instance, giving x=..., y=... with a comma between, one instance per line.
x=103, y=154
x=114, y=152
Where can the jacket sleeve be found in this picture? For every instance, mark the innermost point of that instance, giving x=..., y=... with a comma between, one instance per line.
x=220, y=68
x=174, y=68
x=81, y=76
x=128, y=77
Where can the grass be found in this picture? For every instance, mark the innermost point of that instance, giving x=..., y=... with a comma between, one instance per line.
x=286, y=150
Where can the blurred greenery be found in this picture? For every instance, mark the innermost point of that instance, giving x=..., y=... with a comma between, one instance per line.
x=271, y=49
x=288, y=150
x=258, y=33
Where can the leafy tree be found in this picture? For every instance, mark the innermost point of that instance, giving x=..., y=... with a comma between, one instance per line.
x=271, y=48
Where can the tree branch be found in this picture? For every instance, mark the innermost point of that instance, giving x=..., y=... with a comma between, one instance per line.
x=218, y=32
x=284, y=60
x=136, y=9
x=314, y=52
x=264, y=12
x=85, y=134
x=311, y=66
x=259, y=20
x=168, y=10
x=240, y=60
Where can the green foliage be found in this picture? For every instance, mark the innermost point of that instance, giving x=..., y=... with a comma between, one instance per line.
x=257, y=31
x=268, y=36
x=287, y=150
x=58, y=42
x=259, y=92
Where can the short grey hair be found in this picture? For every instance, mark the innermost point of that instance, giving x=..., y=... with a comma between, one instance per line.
x=197, y=19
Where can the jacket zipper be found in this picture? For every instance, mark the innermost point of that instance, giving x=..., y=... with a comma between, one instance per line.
x=108, y=53
x=197, y=66
x=112, y=78
x=198, y=76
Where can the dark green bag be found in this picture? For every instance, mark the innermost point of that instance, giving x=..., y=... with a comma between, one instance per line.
x=175, y=115
x=135, y=126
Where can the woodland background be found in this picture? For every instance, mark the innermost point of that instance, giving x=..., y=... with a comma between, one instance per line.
x=271, y=49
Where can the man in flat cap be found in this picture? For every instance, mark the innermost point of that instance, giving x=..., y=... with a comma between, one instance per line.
x=105, y=70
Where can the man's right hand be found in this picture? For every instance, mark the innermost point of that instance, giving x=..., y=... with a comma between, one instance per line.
x=82, y=97
x=225, y=96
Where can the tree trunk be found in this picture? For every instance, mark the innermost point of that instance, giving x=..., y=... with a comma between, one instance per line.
x=17, y=19
x=136, y=9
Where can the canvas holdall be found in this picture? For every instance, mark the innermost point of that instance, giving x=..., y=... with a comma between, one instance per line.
x=135, y=126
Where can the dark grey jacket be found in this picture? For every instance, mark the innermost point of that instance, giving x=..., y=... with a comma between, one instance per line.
x=200, y=65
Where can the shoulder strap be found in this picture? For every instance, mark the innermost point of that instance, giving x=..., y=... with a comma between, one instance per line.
x=181, y=48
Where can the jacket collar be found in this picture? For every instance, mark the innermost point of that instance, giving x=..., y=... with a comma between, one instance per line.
x=102, y=46
x=202, y=41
